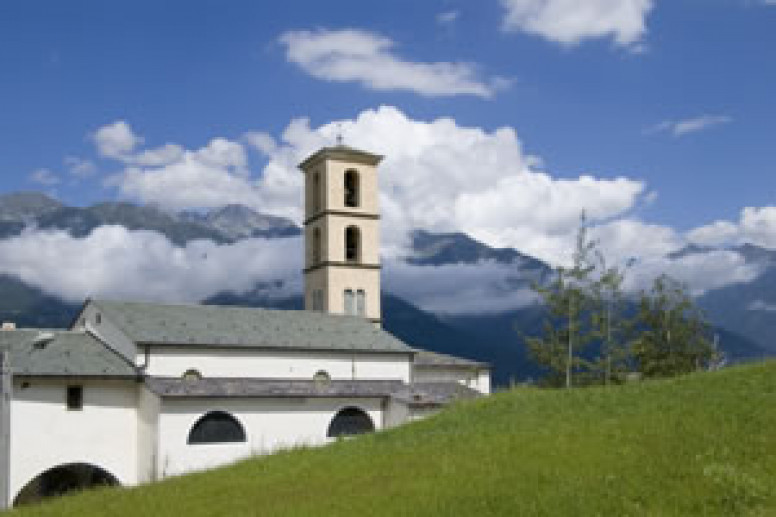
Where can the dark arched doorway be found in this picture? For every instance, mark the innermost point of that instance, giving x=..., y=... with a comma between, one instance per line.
x=350, y=421
x=64, y=479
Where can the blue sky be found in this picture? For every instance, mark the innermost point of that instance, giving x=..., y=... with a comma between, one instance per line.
x=683, y=106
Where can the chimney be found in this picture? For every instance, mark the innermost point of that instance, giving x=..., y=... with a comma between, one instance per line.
x=9, y=325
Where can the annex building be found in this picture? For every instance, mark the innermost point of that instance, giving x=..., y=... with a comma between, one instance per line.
x=135, y=392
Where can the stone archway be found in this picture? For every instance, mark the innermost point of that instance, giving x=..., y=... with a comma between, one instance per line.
x=64, y=479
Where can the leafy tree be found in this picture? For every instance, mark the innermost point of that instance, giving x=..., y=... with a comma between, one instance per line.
x=613, y=328
x=673, y=335
x=568, y=299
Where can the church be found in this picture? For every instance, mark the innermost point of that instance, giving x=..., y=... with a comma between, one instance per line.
x=135, y=392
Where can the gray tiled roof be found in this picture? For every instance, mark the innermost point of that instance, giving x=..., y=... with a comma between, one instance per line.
x=424, y=358
x=203, y=325
x=62, y=353
x=263, y=388
x=434, y=394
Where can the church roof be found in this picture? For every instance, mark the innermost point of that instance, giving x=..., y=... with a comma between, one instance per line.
x=434, y=394
x=425, y=358
x=341, y=153
x=426, y=394
x=269, y=388
x=62, y=353
x=217, y=326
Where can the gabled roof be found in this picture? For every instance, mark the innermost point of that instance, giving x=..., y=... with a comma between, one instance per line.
x=229, y=327
x=62, y=353
x=425, y=358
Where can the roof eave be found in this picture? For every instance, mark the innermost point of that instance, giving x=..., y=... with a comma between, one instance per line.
x=343, y=154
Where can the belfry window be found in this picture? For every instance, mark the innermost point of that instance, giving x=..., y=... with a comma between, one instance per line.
x=351, y=189
x=318, y=300
x=352, y=244
x=316, y=193
x=349, y=302
x=216, y=427
x=316, y=246
x=361, y=302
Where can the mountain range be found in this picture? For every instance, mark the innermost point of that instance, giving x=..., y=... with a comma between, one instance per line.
x=743, y=314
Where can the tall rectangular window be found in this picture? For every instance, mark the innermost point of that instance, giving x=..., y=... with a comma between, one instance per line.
x=75, y=398
x=318, y=300
x=350, y=307
x=361, y=302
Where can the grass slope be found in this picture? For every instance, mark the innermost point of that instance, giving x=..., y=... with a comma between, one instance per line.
x=703, y=444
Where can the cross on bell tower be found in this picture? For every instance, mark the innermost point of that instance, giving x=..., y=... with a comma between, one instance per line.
x=341, y=227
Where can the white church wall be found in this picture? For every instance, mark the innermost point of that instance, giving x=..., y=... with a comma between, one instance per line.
x=45, y=434
x=396, y=413
x=270, y=425
x=91, y=318
x=174, y=361
x=148, y=409
x=483, y=382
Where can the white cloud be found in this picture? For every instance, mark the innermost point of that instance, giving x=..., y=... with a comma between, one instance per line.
x=679, y=128
x=570, y=22
x=261, y=141
x=164, y=155
x=760, y=305
x=80, y=167
x=116, y=140
x=45, y=177
x=213, y=176
x=440, y=176
x=353, y=55
x=140, y=265
x=701, y=272
x=756, y=225
x=448, y=17
x=480, y=288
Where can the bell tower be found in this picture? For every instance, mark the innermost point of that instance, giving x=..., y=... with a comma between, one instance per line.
x=341, y=228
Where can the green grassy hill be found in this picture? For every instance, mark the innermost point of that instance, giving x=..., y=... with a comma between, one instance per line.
x=703, y=444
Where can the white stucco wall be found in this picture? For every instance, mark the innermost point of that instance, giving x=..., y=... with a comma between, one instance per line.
x=174, y=361
x=477, y=379
x=148, y=408
x=45, y=434
x=269, y=424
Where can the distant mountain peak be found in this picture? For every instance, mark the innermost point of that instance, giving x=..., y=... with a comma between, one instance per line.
x=23, y=206
x=241, y=222
x=436, y=249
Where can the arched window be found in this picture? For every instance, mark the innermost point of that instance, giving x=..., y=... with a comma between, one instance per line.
x=351, y=189
x=352, y=244
x=316, y=246
x=349, y=302
x=316, y=193
x=322, y=377
x=192, y=375
x=361, y=302
x=349, y=422
x=216, y=427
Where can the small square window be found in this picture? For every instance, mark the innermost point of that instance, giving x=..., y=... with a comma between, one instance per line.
x=75, y=398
